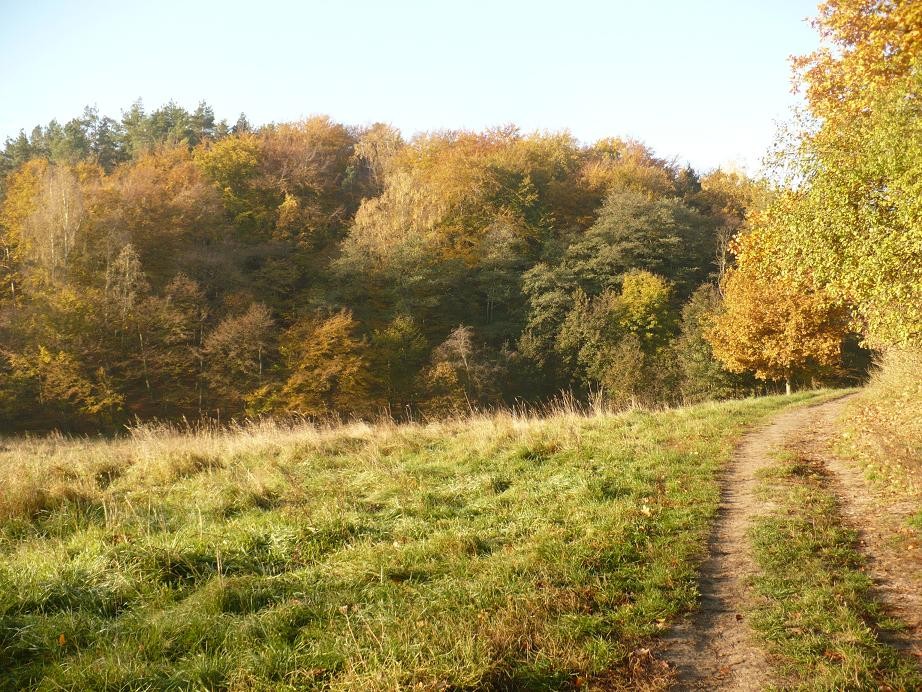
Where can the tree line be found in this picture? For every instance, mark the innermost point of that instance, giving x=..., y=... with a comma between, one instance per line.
x=839, y=243
x=167, y=265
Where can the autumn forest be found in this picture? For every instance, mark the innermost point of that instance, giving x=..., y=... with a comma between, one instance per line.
x=166, y=264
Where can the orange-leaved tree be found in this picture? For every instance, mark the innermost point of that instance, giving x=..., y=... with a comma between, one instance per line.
x=774, y=323
x=866, y=45
x=327, y=368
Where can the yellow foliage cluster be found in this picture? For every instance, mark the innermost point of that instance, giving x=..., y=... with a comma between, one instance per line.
x=773, y=323
x=867, y=44
x=327, y=364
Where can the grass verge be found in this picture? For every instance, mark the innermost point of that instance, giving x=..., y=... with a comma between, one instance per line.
x=497, y=552
x=882, y=435
x=883, y=426
x=814, y=604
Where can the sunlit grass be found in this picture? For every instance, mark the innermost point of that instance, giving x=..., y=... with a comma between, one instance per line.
x=883, y=426
x=500, y=551
x=815, y=607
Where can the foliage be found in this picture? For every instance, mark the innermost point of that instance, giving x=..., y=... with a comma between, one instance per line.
x=852, y=221
x=702, y=375
x=613, y=341
x=396, y=354
x=461, y=375
x=189, y=268
x=773, y=324
x=238, y=352
x=326, y=367
x=19, y=204
x=866, y=44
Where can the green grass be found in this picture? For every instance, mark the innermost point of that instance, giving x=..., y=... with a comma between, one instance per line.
x=497, y=552
x=814, y=606
x=915, y=521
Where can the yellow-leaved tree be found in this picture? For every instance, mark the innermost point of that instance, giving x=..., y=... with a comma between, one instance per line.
x=327, y=368
x=773, y=323
x=854, y=168
x=866, y=45
x=19, y=204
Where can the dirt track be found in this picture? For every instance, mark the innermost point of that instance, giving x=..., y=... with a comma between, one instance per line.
x=897, y=572
x=715, y=650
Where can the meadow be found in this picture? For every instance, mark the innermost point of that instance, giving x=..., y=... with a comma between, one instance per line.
x=497, y=551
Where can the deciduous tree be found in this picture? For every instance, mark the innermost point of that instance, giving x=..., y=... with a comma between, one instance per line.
x=774, y=324
x=237, y=356
x=326, y=367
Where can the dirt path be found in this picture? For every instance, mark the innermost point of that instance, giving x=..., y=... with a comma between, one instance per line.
x=715, y=649
x=895, y=569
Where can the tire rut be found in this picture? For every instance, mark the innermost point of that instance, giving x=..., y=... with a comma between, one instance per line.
x=896, y=572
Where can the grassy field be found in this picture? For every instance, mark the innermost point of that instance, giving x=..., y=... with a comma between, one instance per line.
x=883, y=436
x=496, y=552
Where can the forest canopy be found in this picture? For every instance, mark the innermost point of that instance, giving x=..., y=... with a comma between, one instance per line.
x=166, y=264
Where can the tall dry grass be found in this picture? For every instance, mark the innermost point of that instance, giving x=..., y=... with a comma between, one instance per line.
x=884, y=421
x=39, y=474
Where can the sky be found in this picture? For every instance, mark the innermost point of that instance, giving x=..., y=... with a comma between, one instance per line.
x=700, y=81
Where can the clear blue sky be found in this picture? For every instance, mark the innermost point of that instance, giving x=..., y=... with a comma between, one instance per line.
x=700, y=80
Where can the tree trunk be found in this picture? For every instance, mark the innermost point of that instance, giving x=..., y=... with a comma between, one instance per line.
x=787, y=386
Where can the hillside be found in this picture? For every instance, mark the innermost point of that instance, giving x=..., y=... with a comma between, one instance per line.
x=496, y=551
x=328, y=403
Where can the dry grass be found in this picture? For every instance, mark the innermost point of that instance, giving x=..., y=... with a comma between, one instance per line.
x=38, y=474
x=884, y=424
